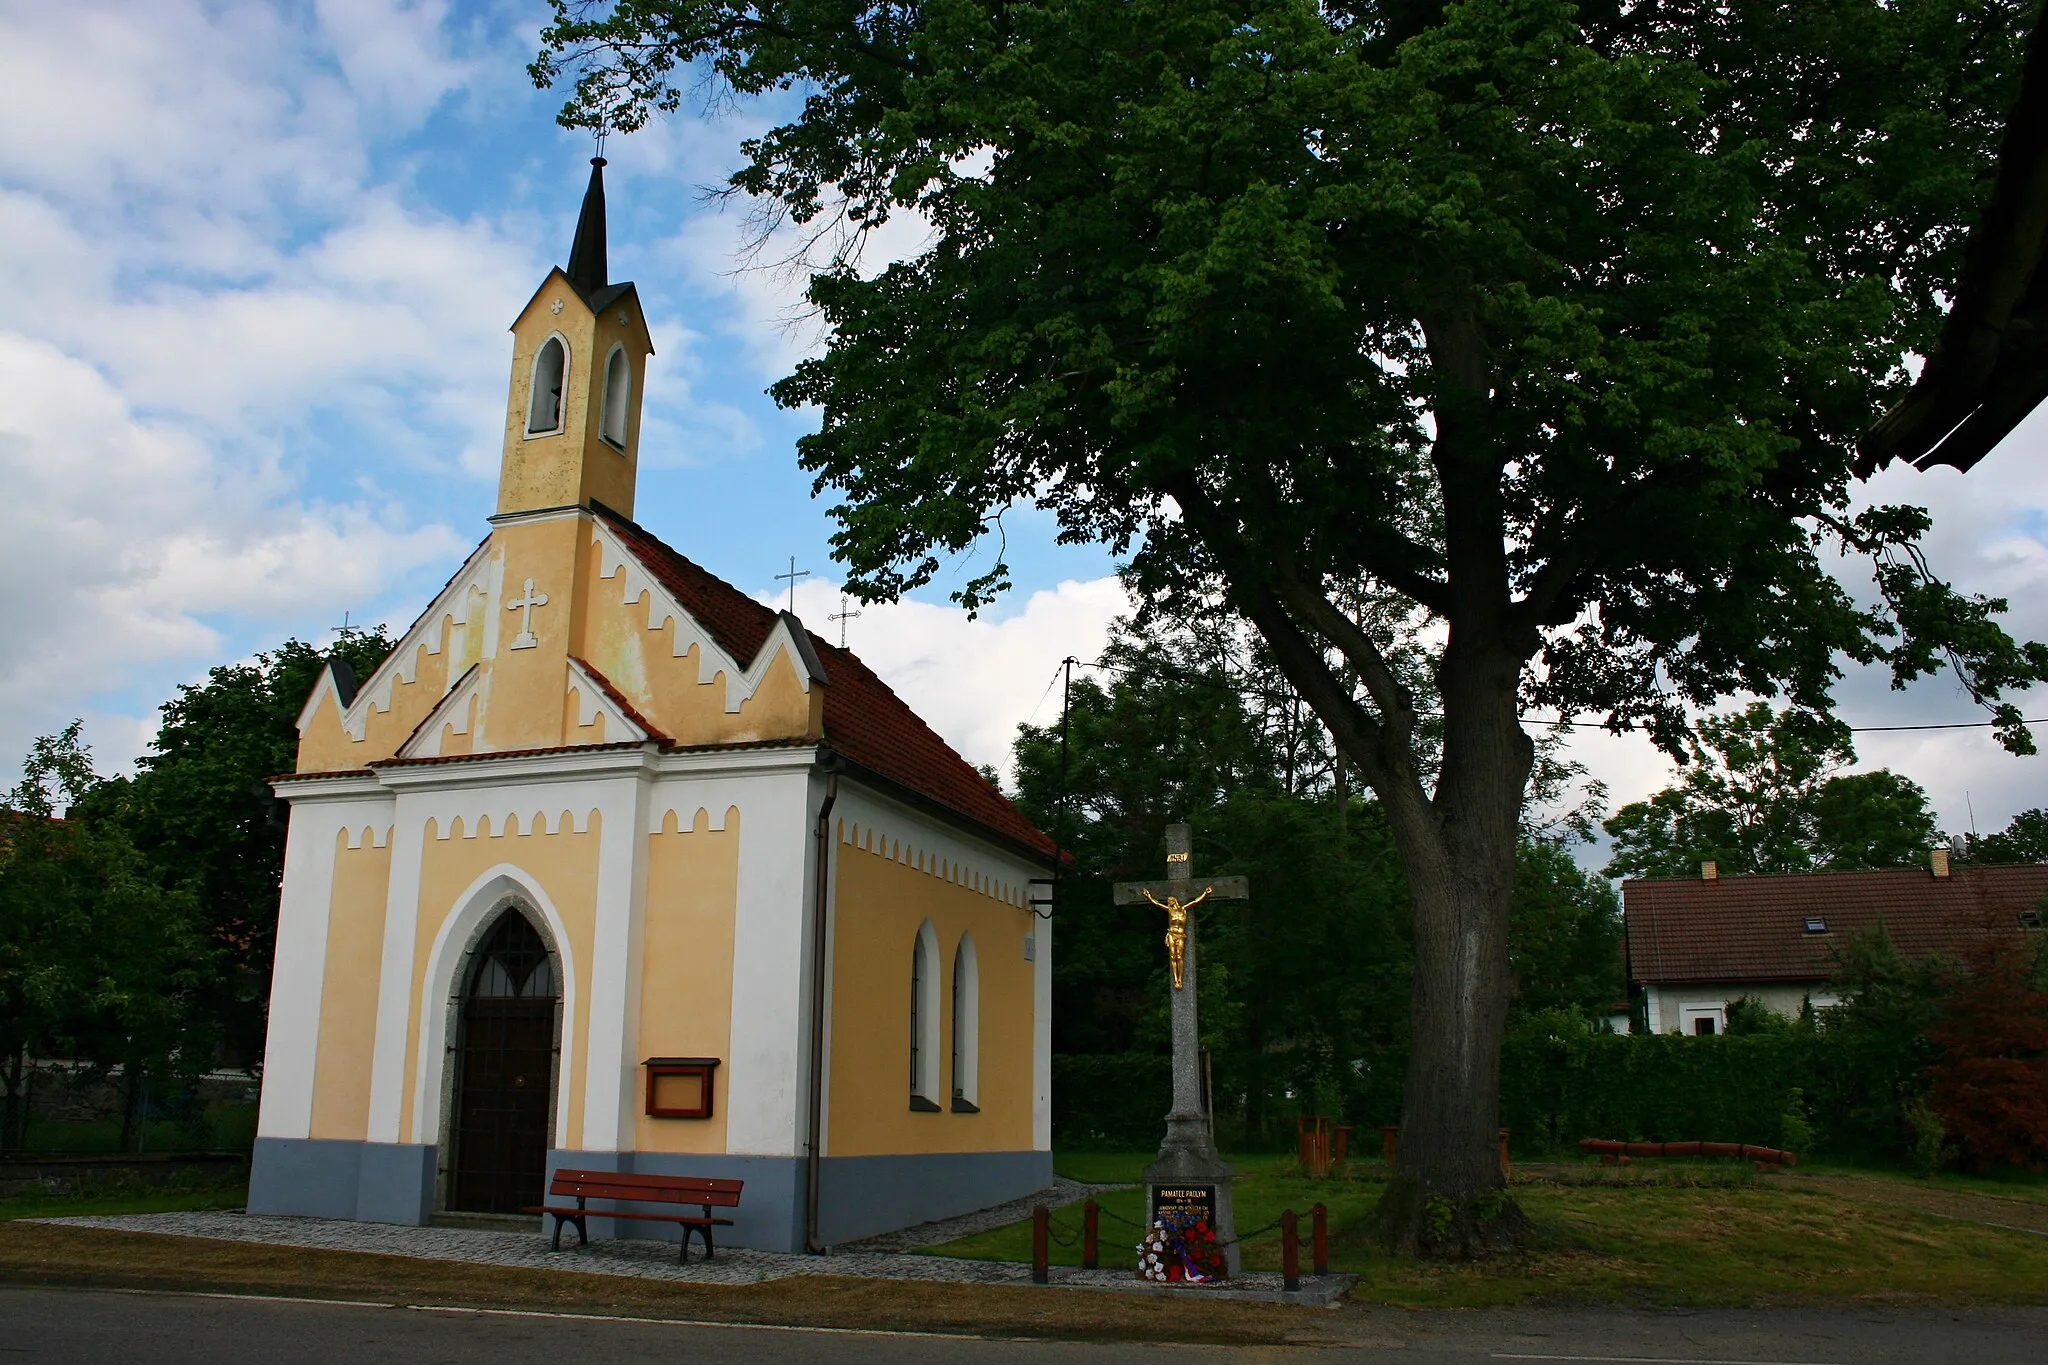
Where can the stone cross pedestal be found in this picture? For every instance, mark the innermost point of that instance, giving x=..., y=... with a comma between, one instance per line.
x=1188, y=1173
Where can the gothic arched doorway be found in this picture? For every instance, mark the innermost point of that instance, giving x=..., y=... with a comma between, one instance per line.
x=505, y=1072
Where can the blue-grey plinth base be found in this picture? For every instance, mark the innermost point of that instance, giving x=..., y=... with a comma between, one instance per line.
x=858, y=1197
x=864, y=1196
x=366, y=1182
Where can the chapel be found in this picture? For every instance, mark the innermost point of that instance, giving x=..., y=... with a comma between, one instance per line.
x=611, y=866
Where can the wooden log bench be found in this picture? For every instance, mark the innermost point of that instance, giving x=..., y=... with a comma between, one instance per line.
x=622, y=1188
x=1611, y=1151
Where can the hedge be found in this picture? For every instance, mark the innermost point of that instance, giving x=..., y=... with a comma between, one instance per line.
x=1841, y=1094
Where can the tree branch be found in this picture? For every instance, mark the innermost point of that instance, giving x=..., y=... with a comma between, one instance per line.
x=1383, y=757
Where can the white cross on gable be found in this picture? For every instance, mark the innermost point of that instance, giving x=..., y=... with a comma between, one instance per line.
x=525, y=605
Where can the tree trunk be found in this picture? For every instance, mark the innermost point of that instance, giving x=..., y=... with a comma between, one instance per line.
x=131, y=1097
x=13, y=1119
x=1448, y=1196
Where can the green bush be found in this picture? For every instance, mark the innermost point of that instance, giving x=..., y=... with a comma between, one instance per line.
x=1838, y=1092
x=1110, y=1101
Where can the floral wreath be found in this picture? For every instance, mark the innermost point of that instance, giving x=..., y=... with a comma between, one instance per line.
x=1180, y=1248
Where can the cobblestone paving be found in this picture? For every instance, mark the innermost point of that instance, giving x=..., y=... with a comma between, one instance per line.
x=653, y=1260
x=1062, y=1193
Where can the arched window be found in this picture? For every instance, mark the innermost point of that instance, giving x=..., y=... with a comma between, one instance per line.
x=544, y=412
x=924, y=1020
x=966, y=1028
x=514, y=964
x=618, y=383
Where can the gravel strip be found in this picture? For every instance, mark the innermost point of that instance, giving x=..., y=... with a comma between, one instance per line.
x=652, y=1260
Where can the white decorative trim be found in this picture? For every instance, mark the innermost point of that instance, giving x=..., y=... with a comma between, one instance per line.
x=310, y=791
x=323, y=686
x=766, y=1100
x=478, y=574
x=452, y=712
x=605, y=400
x=299, y=971
x=524, y=604
x=616, y=561
x=474, y=824
x=878, y=825
x=444, y=960
x=617, y=932
x=593, y=700
x=924, y=1004
x=966, y=1020
x=497, y=770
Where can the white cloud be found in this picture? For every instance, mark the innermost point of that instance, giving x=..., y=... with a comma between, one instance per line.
x=127, y=534
x=973, y=681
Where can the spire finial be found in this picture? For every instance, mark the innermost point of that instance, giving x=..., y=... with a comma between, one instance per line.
x=587, y=267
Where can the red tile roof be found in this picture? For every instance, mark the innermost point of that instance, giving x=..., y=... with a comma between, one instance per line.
x=1737, y=929
x=864, y=720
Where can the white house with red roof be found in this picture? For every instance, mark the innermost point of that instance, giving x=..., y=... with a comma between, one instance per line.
x=610, y=867
x=1697, y=944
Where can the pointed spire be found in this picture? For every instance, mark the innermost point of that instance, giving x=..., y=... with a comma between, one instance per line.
x=587, y=270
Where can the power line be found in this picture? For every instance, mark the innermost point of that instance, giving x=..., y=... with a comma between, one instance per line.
x=1559, y=724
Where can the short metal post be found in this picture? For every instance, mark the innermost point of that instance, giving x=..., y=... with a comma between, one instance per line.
x=1290, y=1252
x=1503, y=1151
x=1041, y=1235
x=1091, y=1226
x=1320, y=1232
x=1389, y=1135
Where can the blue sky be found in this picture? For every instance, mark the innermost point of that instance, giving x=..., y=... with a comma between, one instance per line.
x=256, y=265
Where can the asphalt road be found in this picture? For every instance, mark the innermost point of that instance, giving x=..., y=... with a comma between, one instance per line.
x=99, y=1326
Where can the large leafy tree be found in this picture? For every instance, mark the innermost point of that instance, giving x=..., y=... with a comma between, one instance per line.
x=1305, y=986
x=1558, y=324
x=1766, y=792
x=99, y=961
x=201, y=810
x=2025, y=840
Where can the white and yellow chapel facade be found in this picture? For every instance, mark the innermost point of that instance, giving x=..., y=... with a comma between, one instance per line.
x=610, y=866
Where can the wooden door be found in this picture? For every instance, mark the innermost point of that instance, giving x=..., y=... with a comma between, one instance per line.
x=505, y=1082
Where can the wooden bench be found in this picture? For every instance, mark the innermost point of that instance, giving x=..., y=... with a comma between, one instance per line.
x=622, y=1188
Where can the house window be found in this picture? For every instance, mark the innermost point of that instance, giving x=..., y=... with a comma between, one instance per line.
x=924, y=1020
x=1816, y=925
x=618, y=382
x=544, y=410
x=1702, y=1021
x=2030, y=919
x=966, y=1028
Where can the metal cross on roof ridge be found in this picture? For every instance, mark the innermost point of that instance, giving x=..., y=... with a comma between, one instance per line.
x=793, y=575
x=842, y=616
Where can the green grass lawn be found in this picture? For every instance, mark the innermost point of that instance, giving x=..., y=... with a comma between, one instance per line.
x=1679, y=1234
x=222, y=1196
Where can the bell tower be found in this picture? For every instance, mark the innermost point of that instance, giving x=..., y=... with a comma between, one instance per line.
x=579, y=360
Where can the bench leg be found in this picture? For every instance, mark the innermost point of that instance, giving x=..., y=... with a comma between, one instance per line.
x=555, y=1243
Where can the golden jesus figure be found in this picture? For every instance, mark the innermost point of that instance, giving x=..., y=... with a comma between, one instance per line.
x=1177, y=927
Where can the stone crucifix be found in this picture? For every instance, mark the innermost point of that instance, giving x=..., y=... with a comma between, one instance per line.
x=526, y=639
x=1188, y=1174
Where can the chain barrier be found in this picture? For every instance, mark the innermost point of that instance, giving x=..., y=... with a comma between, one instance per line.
x=1052, y=1230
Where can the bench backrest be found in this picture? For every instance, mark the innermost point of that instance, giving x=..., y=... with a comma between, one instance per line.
x=655, y=1189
